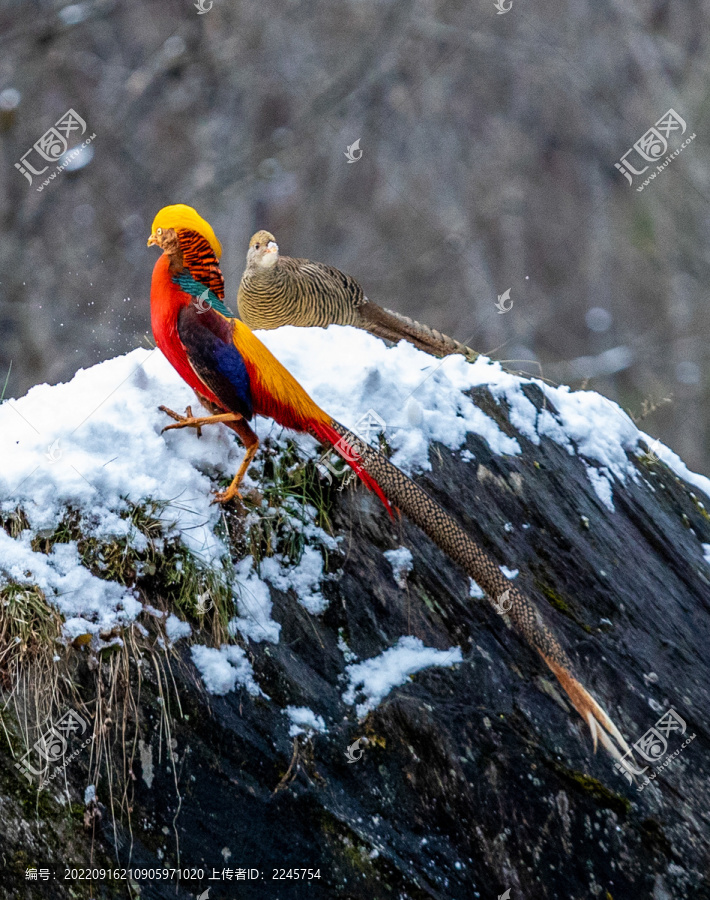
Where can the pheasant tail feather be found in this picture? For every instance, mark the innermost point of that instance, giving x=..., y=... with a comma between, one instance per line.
x=425, y=512
x=384, y=323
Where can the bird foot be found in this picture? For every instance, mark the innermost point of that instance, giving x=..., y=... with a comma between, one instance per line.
x=186, y=421
x=223, y=497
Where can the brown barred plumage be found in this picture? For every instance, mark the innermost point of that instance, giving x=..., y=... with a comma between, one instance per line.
x=277, y=290
x=407, y=496
x=434, y=521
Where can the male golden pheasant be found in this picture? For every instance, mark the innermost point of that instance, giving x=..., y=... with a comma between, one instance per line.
x=277, y=290
x=237, y=377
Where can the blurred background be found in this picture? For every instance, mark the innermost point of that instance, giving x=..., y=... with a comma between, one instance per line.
x=488, y=142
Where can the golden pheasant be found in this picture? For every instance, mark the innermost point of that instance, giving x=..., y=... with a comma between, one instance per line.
x=237, y=377
x=277, y=290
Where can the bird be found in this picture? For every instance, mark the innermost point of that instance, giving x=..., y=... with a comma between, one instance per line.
x=278, y=290
x=237, y=377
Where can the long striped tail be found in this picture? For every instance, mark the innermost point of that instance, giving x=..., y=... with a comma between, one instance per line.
x=392, y=326
x=421, y=509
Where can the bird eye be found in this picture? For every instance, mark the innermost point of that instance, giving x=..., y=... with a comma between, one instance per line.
x=256, y=246
x=159, y=231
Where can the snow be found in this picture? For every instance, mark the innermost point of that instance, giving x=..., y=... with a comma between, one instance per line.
x=102, y=430
x=475, y=590
x=510, y=574
x=224, y=668
x=603, y=485
x=304, y=721
x=706, y=552
x=303, y=578
x=94, y=445
x=254, y=606
x=175, y=628
x=376, y=677
x=349, y=372
x=89, y=604
x=402, y=563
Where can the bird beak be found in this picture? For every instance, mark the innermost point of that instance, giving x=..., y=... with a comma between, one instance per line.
x=152, y=240
x=272, y=247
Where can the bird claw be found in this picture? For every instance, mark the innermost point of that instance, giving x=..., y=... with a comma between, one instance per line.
x=186, y=421
x=223, y=497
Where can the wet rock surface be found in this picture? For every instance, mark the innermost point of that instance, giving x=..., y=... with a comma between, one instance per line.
x=474, y=778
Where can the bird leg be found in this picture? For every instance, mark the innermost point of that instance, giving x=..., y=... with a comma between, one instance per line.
x=251, y=445
x=190, y=421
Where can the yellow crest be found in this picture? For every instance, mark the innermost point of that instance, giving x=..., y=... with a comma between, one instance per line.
x=182, y=216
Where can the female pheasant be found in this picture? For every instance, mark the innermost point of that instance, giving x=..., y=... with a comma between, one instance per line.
x=237, y=377
x=277, y=290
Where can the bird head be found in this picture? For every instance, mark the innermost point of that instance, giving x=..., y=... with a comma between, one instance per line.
x=167, y=240
x=171, y=220
x=263, y=251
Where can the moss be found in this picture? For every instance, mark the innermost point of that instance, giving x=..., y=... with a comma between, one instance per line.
x=601, y=794
x=560, y=604
x=700, y=507
x=76, y=812
x=555, y=600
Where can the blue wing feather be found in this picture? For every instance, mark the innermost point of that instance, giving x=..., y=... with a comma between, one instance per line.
x=207, y=338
